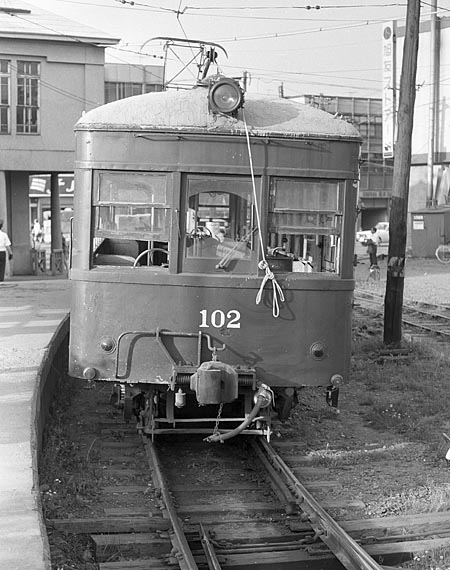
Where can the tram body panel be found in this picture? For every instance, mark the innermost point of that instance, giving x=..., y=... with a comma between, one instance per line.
x=280, y=350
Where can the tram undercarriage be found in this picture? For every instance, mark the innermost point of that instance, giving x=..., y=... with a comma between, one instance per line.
x=214, y=412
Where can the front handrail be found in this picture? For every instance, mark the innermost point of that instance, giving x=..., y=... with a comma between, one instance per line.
x=158, y=335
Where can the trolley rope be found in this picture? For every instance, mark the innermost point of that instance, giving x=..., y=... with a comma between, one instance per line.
x=263, y=264
x=277, y=290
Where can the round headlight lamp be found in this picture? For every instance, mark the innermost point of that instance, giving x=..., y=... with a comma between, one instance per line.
x=225, y=96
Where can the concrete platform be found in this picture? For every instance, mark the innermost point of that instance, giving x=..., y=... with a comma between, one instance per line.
x=30, y=313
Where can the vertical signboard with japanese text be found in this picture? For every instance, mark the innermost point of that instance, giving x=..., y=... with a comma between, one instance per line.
x=389, y=89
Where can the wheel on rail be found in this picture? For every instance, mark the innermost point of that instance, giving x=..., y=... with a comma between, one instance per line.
x=127, y=409
x=443, y=253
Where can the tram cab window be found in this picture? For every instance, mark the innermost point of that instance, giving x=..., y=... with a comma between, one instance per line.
x=220, y=229
x=131, y=219
x=305, y=225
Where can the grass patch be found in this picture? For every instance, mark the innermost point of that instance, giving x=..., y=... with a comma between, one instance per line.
x=68, y=482
x=436, y=559
x=74, y=551
x=332, y=458
x=409, y=396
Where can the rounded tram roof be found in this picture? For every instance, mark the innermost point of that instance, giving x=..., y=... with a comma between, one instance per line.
x=189, y=111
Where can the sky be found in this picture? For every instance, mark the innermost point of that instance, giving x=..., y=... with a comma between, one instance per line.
x=331, y=48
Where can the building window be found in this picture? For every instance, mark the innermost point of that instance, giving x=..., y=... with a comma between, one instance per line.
x=152, y=87
x=4, y=97
x=120, y=90
x=367, y=129
x=27, y=113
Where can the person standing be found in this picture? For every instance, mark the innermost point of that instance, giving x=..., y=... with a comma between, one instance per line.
x=5, y=248
x=36, y=231
x=372, y=246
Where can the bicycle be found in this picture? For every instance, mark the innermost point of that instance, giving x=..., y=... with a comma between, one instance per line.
x=442, y=253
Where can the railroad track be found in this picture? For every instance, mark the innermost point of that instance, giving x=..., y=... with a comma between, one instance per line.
x=417, y=316
x=183, y=503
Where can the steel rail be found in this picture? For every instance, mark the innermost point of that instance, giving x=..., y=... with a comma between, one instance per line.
x=279, y=486
x=423, y=308
x=179, y=541
x=210, y=553
x=426, y=327
x=343, y=546
x=432, y=312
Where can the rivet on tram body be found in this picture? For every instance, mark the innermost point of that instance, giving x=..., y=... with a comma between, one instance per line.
x=108, y=344
x=318, y=350
x=89, y=373
x=336, y=380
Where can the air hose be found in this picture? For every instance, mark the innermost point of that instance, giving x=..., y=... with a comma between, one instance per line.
x=264, y=397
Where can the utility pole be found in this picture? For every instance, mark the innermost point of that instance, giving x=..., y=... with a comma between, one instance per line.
x=434, y=54
x=393, y=302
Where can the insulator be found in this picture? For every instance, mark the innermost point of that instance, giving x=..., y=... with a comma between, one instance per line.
x=180, y=399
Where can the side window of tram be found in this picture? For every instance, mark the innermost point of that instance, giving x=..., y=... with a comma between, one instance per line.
x=132, y=219
x=304, y=225
x=219, y=226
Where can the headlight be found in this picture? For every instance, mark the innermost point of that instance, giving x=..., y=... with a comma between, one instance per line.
x=225, y=96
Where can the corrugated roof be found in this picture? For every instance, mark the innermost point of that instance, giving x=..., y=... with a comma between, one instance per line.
x=22, y=20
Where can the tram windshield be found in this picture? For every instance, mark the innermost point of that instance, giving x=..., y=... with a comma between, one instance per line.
x=305, y=224
x=132, y=219
x=220, y=228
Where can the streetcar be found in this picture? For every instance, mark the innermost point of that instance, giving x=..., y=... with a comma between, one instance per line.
x=212, y=256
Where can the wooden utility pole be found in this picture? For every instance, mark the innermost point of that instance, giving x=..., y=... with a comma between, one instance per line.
x=393, y=301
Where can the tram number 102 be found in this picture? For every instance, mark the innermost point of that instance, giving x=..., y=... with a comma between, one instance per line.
x=219, y=319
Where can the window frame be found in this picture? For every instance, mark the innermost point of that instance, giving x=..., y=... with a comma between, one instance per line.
x=28, y=97
x=5, y=107
x=207, y=265
x=304, y=234
x=98, y=202
x=99, y=235
x=117, y=90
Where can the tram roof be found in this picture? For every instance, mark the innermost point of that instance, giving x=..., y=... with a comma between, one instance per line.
x=188, y=111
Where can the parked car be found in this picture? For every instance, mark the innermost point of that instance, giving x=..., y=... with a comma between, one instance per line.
x=382, y=229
